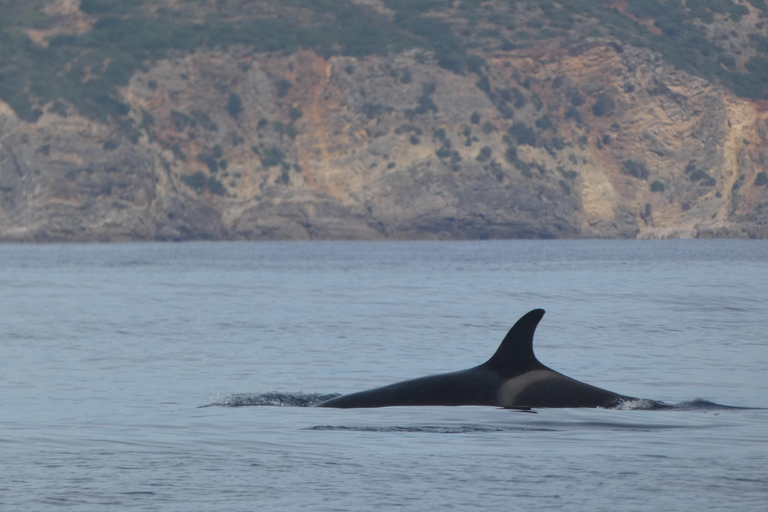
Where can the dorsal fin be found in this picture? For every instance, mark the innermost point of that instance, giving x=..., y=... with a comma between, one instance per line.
x=516, y=351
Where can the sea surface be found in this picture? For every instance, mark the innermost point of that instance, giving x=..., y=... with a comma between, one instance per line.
x=130, y=375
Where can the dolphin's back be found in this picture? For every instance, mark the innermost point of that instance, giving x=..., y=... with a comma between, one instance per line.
x=548, y=388
x=477, y=386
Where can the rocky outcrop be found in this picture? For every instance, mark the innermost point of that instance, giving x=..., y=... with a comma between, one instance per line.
x=589, y=140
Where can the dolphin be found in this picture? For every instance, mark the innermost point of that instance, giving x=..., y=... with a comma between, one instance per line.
x=513, y=378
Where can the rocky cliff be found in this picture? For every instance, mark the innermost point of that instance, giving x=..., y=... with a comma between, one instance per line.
x=591, y=137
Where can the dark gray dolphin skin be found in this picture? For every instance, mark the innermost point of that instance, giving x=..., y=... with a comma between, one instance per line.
x=513, y=378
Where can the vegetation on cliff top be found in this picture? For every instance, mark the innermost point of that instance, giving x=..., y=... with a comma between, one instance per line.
x=724, y=41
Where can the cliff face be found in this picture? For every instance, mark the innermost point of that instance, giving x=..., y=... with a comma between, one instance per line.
x=589, y=139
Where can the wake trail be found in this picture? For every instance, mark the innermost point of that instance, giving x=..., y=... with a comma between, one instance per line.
x=286, y=399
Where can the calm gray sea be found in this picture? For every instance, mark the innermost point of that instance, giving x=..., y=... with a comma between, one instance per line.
x=126, y=369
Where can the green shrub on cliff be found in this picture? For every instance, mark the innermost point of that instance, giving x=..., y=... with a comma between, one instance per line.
x=484, y=155
x=194, y=181
x=523, y=134
x=109, y=7
x=604, y=105
x=272, y=157
x=488, y=128
x=199, y=183
x=511, y=154
x=635, y=169
x=425, y=103
x=234, y=105
x=295, y=114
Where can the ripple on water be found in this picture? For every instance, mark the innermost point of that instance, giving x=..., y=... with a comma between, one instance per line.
x=274, y=399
